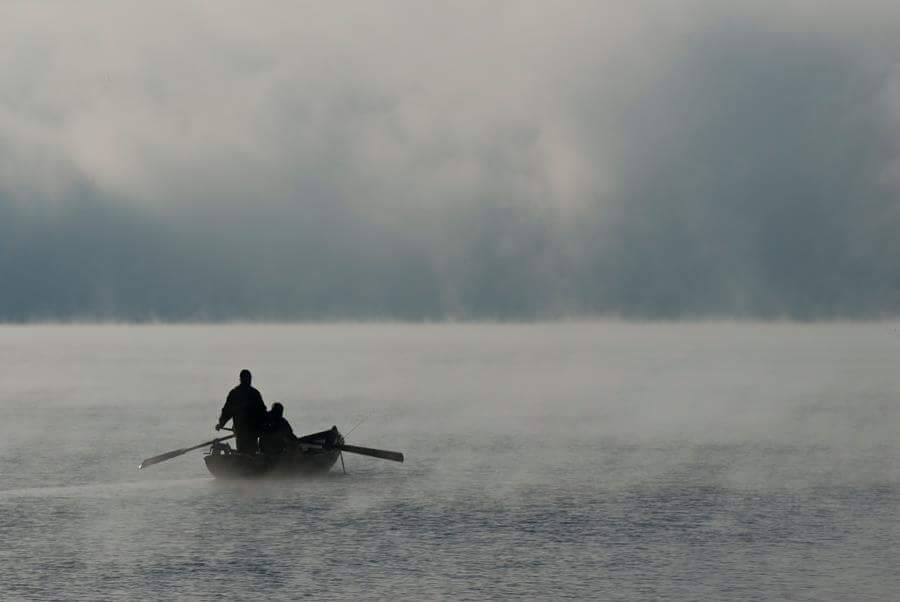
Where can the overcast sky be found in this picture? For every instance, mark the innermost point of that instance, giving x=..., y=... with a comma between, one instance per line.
x=428, y=160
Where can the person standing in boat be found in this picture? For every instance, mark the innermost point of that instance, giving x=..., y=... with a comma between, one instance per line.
x=245, y=407
x=277, y=435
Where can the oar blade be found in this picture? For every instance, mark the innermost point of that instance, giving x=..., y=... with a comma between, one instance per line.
x=161, y=458
x=375, y=453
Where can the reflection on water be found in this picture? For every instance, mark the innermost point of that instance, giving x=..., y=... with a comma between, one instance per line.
x=714, y=461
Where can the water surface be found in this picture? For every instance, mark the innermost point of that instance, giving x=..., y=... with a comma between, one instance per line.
x=604, y=460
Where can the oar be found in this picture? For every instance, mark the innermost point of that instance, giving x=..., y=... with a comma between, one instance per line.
x=375, y=453
x=354, y=449
x=178, y=452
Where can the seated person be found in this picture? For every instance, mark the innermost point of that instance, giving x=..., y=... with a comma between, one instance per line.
x=277, y=434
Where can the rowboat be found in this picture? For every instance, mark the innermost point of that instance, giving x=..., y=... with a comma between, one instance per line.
x=311, y=454
x=315, y=453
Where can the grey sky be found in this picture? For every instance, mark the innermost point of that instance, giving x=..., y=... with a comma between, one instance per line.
x=206, y=160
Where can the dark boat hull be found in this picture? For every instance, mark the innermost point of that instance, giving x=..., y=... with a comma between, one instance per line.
x=315, y=454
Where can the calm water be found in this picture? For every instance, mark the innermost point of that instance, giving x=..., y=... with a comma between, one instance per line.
x=584, y=460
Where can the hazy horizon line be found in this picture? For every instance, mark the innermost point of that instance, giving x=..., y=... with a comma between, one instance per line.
x=449, y=321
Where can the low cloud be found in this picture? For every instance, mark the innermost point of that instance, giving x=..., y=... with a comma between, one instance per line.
x=497, y=160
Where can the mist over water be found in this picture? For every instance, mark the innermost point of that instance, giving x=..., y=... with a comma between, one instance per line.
x=607, y=460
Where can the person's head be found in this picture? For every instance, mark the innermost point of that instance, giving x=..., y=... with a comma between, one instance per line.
x=245, y=378
x=277, y=410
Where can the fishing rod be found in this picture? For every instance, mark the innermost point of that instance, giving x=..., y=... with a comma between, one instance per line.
x=364, y=418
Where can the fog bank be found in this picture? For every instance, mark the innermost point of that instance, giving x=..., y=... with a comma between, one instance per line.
x=188, y=161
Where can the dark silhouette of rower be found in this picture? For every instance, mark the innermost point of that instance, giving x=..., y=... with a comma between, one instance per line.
x=246, y=409
x=277, y=436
